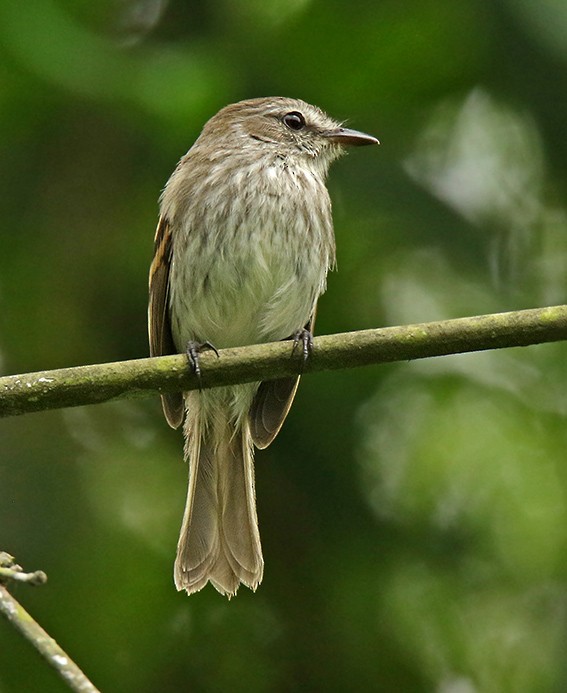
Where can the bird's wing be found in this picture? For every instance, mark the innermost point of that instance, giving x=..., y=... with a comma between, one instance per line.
x=272, y=403
x=159, y=327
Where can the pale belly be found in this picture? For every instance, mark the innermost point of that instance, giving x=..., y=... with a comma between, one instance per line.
x=257, y=287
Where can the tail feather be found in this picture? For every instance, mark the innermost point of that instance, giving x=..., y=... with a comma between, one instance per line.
x=219, y=539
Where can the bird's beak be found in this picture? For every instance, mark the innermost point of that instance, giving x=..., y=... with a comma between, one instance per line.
x=352, y=138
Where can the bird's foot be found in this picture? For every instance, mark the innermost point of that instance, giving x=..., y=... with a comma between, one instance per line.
x=193, y=351
x=305, y=338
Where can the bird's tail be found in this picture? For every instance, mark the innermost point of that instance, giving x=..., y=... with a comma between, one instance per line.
x=219, y=540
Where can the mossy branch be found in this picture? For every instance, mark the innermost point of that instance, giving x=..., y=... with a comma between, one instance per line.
x=69, y=387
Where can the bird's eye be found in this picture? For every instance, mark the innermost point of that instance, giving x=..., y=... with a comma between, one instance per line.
x=294, y=120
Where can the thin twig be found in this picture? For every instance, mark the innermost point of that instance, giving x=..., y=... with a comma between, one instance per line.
x=36, y=578
x=68, y=387
x=15, y=613
x=10, y=570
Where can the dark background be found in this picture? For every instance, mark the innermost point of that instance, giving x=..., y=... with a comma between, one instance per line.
x=414, y=515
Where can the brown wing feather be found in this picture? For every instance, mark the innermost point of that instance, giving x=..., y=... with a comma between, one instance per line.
x=159, y=327
x=271, y=405
x=269, y=408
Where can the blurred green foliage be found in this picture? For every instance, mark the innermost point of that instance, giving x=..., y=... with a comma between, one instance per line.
x=413, y=516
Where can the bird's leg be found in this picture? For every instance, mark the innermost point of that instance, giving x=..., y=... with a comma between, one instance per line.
x=305, y=338
x=193, y=351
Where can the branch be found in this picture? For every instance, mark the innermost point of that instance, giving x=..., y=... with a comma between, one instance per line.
x=15, y=613
x=69, y=387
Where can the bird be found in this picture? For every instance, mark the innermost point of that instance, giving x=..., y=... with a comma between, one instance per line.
x=242, y=249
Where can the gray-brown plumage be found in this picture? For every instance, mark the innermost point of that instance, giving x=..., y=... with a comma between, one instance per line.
x=242, y=250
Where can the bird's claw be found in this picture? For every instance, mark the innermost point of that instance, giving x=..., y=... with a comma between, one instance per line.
x=305, y=338
x=193, y=351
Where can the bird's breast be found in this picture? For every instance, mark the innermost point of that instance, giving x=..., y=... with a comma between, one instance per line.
x=251, y=258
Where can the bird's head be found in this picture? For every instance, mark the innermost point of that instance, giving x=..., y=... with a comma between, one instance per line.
x=287, y=128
